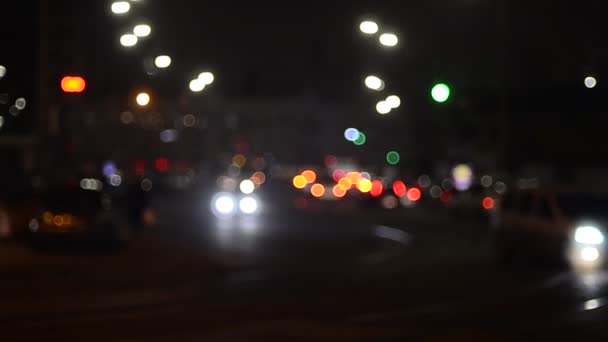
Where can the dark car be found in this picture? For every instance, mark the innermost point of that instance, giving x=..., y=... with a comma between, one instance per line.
x=82, y=216
x=552, y=225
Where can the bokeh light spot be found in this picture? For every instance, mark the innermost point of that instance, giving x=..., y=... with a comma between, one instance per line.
x=317, y=190
x=338, y=191
x=338, y=174
x=345, y=184
x=399, y=188
x=360, y=140
x=365, y=185
x=393, y=157
x=414, y=194
x=310, y=176
x=299, y=182
x=377, y=188
x=239, y=160
x=351, y=134
x=440, y=92
x=488, y=203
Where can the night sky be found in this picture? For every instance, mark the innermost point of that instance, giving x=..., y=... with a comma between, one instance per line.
x=282, y=48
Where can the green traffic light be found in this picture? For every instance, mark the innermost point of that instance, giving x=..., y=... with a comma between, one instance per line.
x=440, y=92
x=393, y=157
x=360, y=140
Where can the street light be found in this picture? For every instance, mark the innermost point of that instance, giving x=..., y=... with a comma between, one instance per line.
x=143, y=99
x=20, y=103
x=368, y=27
x=2, y=71
x=196, y=85
x=142, y=30
x=120, y=7
x=383, y=107
x=128, y=40
x=393, y=101
x=389, y=39
x=374, y=83
x=162, y=61
x=206, y=77
x=590, y=82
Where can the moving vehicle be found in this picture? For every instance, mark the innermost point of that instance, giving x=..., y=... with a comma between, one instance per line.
x=540, y=224
x=80, y=215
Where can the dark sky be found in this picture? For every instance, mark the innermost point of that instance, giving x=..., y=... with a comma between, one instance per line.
x=280, y=48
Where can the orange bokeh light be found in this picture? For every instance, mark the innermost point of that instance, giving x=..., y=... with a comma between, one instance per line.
x=299, y=182
x=377, y=188
x=365, y=185
x=488, y=203
x=310, y=176
x=345, y=184
x=354, y=177
x=317, y=190
x=414, y=194
x=73, y=84
x=338, y=191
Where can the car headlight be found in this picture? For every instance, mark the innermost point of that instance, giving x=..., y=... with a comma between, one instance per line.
x=588, y=235
x=223, y=204
x=248, y=205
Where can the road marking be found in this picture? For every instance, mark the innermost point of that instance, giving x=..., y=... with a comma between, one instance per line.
x=393, y=234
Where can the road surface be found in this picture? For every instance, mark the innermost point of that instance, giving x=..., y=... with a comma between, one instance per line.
x=289, y=274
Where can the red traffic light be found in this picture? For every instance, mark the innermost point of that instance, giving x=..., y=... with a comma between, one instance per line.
x=73, y=84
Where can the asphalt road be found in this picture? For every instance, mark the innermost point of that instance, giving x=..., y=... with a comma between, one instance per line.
x=367, y=275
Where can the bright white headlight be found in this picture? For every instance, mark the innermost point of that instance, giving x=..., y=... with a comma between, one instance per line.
x=248, y=205
x=590, y=254
x=224, y=204
x=588, y=235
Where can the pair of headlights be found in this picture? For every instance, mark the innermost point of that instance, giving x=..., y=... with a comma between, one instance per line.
x=226, y=204
x=588, y=241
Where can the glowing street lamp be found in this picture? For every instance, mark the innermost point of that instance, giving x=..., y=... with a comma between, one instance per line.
x=128, y=40
x=383, y=107
x=374, y=83
x=394, y=101
x=368, y=27
x=590, y=82
x=206, y=77
x=142, y=30
x=162, y=62
x=143, y=99
x=196, y=85
x=389, y=39
x=120, y=7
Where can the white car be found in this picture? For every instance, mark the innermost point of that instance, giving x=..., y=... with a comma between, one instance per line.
x=535, y=225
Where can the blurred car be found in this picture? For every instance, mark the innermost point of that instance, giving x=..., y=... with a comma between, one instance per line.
x=80, y=215
x=560, y=226
x=16, y=209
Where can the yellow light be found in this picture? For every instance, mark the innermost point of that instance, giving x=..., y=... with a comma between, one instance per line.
x=310, y=176
x=47, y=217
x=365, y=185
x=345, y=184
x=299, y=182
